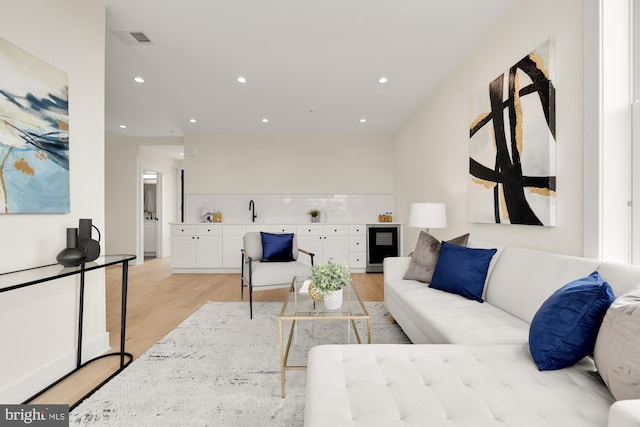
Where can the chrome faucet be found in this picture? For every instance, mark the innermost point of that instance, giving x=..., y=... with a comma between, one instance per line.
x=252, y=208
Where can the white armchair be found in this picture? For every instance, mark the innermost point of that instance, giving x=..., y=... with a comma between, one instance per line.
x=273, y=266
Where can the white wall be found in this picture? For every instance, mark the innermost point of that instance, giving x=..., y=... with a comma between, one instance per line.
x=266, y=164
x=38, y=324
x=432, y=156
x=615, y=144
x=125, y=159
x=592, y=182
x=238, y=164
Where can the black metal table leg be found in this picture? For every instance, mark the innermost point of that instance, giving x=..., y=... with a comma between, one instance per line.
x=123, y=313
x=80, y=320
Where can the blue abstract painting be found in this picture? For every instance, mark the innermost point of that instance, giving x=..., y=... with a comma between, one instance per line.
x=34, y=134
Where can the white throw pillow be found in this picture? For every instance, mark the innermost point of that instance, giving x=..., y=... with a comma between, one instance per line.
x=617, y=351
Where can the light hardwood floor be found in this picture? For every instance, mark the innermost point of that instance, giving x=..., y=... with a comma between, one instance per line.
x=157, y=302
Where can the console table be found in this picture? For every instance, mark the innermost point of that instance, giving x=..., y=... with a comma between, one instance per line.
x=46, y=273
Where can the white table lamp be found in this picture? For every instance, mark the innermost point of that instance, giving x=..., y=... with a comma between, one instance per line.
x=428, y=215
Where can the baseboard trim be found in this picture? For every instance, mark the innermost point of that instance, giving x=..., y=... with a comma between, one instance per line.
x=25, y=387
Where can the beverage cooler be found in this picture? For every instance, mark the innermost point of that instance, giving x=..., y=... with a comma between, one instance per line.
x=383, y=240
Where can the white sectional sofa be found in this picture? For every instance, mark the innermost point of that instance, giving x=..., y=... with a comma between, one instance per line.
x=470, y=364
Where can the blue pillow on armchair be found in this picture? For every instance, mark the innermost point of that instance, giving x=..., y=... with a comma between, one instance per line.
x=461, y=270
x=565, y=327
x=277, y=247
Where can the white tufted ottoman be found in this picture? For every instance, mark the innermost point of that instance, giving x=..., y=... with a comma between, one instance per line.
x=390, y=385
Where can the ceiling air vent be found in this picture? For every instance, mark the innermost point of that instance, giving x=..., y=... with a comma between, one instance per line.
x=140, y=37
x=132, y=37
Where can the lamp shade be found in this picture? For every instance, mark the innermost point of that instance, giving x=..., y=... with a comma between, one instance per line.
x=428, y=215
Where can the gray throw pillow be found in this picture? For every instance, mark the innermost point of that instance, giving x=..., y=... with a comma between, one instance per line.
x=425, y=256
x=617, y=352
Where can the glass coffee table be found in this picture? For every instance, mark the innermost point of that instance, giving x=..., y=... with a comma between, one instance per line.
x=309, y=326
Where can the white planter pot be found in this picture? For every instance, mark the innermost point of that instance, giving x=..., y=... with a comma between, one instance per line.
x=333, y=300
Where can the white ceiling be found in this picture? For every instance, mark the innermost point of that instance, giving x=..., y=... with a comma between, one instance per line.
x=312, y=66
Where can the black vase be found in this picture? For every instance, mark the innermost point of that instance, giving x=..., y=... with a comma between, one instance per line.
x=71, y=256
x=89, y=246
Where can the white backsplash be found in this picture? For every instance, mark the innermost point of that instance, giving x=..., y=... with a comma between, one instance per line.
x=291, y=208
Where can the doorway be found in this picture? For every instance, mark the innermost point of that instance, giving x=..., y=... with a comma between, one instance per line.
x=151, y=213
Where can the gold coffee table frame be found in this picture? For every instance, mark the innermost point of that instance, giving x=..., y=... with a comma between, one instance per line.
x=300, y=307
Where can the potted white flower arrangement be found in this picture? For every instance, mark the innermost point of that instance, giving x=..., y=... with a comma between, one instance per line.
x=329, y=278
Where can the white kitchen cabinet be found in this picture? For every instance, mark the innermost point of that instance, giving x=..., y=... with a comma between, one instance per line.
x=150, y=237
x=335, y=248
x=183, y=251
x=208, y=251
x=282, y=228
x=309, y=238
x=335, y=243
x=208, y=246
x=183, y=246
x=357, y=230
x=196, y=246
x=357, y=261
x=232, y=245
x=215, y=247
x=357, y=246
x=325, y=241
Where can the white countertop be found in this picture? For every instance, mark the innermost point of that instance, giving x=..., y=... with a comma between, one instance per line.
x=284, y=222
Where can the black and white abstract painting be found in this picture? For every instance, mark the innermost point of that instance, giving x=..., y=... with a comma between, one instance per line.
x=512, y=145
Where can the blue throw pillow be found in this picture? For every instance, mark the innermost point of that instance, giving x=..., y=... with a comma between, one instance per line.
x=277, y=247
x=565, y=327
x=461, y=270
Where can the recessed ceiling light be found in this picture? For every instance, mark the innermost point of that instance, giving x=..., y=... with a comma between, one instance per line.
x=123, y=126
x=241, y=79
x=138, y=79
x=363, y=120
x=383, y=80
x=192, y=120
x=265, y=120
x=182, y=154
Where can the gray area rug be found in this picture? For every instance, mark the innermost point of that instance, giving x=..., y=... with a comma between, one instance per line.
x=218, y=368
